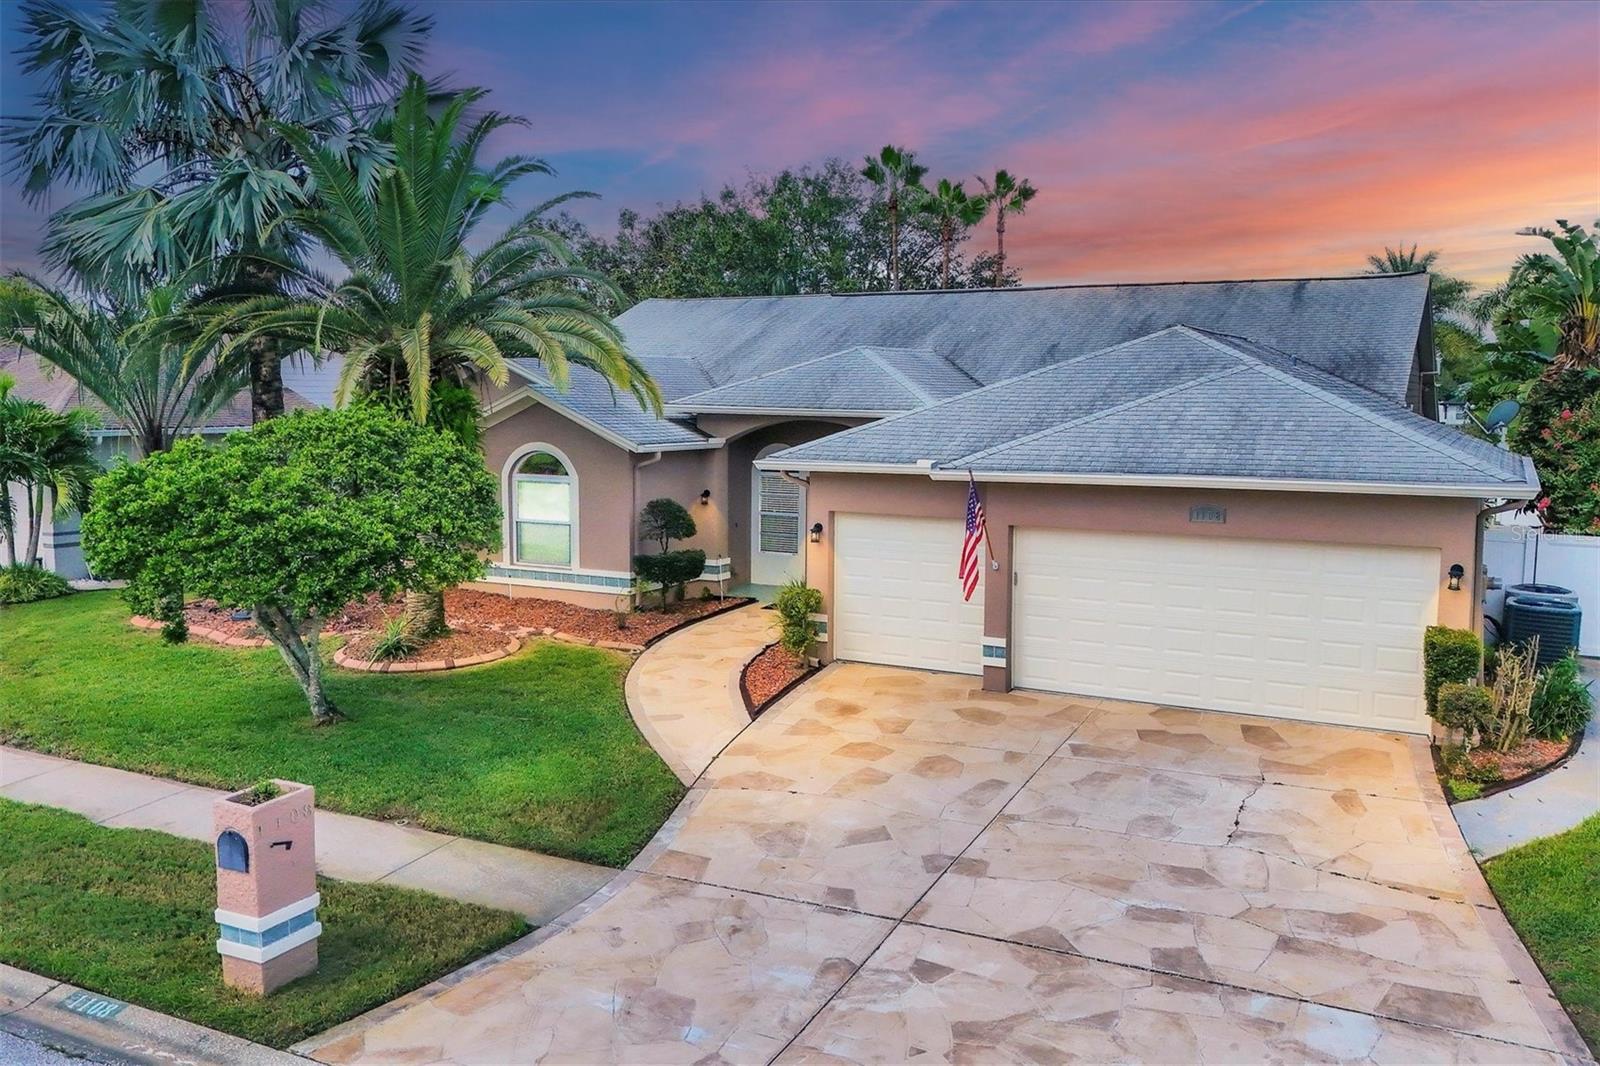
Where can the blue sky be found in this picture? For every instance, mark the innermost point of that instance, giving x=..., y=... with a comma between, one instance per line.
x=1228, y=138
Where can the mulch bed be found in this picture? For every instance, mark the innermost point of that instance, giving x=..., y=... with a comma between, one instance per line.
x=769, y=676
x=523, y=615
x=459, y=643
x=1498, y=771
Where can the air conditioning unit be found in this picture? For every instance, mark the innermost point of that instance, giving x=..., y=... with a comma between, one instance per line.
x=1557, y=624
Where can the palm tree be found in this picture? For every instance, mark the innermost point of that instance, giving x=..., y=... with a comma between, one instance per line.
x=1564, y=311
x=897, y=172
x=143, y=377
x=1458, y=347
x=419, y=312
x=172, y=117
x=50, y=455
x=954, y=211
x=1009, y=196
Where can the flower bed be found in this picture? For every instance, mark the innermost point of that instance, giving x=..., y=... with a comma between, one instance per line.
x=459, y=647
x=527, y=615
x=1483, y=772
x=769, y=677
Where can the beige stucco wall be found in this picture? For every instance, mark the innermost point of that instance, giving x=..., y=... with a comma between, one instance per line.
x=1449, y=525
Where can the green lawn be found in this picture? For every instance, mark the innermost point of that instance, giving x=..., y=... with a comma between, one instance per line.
x=1550, y=889
x=536, y=751
x=127, y=913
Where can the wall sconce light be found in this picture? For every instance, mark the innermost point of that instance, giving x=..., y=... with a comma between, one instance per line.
x=816, y=533
x=1457, y=572
x=705, y=497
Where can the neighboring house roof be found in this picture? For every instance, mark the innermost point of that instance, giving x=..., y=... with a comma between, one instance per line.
x=616, y=415
x=864, y=380
x=1180, y=405
x=1362, y=328
x=56, y=389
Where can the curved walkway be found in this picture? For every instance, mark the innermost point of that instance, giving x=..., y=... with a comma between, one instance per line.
x=1544, y=806
x=894, y=865
x=683, y=692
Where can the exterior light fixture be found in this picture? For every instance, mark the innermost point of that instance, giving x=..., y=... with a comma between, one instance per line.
x=705, y=497
x=1457, y=572
x=816, y=533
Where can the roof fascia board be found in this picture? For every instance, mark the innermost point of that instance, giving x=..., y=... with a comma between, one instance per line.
x=681, y=409
x=1186, y=481
x=774, y=465
x=507, y=406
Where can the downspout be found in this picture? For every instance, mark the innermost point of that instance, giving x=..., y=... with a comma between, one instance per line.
x=1480, y=587
x=633, y=520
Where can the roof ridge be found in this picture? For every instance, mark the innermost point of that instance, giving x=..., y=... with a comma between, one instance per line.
x=1374, y=417
x=905, y=382
x=770, y=373
x=1298, y=363
x=1094, y=416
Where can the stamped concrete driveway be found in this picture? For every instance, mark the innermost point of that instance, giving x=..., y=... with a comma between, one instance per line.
x=892, y=866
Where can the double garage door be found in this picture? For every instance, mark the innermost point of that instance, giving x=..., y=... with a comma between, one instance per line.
x=1323, y=633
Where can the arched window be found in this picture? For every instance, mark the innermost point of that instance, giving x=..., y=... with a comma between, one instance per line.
x=232, y=852
x=544, y=508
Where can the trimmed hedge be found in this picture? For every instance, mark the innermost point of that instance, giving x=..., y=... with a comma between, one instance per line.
x=1462, y=706
x=796, y=603
x=670, y=569
x=1448, y=655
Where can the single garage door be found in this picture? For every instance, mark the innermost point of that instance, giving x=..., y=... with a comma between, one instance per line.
x=896, y=599
x=1323, y=633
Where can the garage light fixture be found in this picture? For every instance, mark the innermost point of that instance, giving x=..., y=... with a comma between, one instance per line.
x=816, y=533
x=705, y=497
x=1457, y=572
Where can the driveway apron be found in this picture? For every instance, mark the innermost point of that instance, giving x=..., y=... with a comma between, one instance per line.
x=893, y=865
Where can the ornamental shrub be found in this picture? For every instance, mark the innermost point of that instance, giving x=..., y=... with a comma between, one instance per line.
x=21, y=583
x=670, y=570
x=1448, y=655
x=665, y=521
x=1562, y=704
x=1462, y=706
x=1559, y=427
x=795, y=604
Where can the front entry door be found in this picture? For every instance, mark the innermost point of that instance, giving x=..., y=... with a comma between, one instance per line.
x=778, y=508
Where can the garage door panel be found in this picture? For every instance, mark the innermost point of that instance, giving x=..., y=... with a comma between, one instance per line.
x=896, y=597
x=1323, y=633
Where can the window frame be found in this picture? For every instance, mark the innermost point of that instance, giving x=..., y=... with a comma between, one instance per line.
x=508, y=485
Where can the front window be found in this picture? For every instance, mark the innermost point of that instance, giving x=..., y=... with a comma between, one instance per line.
x=542, y=510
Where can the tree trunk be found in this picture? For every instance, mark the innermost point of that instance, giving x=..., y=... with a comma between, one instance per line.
x=1000, y=246
x=303, y=656
x=8, y=529
x=266, y=379
x=425, y=614
x=35, y=523
x=949, y=237
x=894, y=244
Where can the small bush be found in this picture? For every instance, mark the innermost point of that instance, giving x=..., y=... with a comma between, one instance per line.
x=670, y=570
x=1448, y=655
x=1462, y=706
x=395, y=642
x=1562, y=703
x=795, y=604
x=1463, y=790
x=25, y=584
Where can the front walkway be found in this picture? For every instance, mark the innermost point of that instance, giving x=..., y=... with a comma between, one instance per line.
x=348, y=848
x=1544, y=806
x=893, y=866
x=683, y=692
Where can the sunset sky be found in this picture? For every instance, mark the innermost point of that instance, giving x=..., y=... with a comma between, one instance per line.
x=1168, y=141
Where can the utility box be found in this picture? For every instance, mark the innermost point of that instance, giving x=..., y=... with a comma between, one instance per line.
x=267, y=885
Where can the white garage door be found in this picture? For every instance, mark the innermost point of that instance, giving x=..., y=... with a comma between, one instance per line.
x=1322, y=633
x=896, y=597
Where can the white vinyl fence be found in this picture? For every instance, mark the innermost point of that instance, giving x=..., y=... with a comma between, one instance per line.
x=1525, y=555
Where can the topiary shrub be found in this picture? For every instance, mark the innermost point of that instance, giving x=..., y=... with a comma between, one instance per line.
x=1562, y=704
x=670, y=570
x=796, y=603
x=20, y=583
x=1448, y=655
x=1462, y=706
x=664, y=521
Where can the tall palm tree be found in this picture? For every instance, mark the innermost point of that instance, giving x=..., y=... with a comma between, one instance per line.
x=172, y=118
x=897, y=172
x=419, y=311
x=954, y=211
x=144, y=378
x=1009, y=195
x=1458, y=346
x=50, y=455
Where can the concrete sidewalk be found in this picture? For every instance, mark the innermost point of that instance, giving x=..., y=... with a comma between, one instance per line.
x=1544, y=806
x=348, y=848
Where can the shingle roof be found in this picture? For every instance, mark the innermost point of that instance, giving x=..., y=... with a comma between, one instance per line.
x=617, y=414
x=861, y=380
x=1180, y=402
x=1362, y=328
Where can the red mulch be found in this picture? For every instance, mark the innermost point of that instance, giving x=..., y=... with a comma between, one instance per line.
x=1527, y=757
x=206, y=614
x=459, y=643
x=519, y=614
x=768, y=673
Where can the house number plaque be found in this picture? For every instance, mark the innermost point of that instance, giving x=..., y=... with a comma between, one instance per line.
x=1209, y=514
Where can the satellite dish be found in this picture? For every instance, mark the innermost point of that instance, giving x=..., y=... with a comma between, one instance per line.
x=1500, y=415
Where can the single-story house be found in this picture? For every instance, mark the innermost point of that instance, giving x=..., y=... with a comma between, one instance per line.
x=60, y=549
x=1222, y=495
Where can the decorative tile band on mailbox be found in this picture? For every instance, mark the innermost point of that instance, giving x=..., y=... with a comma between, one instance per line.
x=821, y=621
x=994, y=651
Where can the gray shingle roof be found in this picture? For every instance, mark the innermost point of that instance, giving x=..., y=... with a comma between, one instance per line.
x=860, y=380
x=616, y=413
x=1363, y=328
x=1179, y=402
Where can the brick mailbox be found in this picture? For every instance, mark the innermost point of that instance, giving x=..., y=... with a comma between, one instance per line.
x=267, y=885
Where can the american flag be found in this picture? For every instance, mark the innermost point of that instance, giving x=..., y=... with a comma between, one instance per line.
x=977, y=532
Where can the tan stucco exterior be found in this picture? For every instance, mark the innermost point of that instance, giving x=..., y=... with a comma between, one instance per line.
x=1450, y=525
